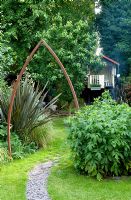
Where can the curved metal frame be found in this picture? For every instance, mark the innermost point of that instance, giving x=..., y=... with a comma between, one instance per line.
x=41, y=42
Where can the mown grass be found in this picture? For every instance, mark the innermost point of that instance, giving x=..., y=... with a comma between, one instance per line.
x=13, y=175
x=66, y=184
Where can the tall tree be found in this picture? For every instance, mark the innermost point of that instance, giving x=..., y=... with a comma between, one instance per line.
x=114, y=24
x=105, y=3
x=24, y=19
x=67, y=25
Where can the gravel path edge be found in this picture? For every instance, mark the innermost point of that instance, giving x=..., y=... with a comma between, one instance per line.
x=37, y=182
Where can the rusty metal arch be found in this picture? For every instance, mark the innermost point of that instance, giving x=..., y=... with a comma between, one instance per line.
x=41, y=42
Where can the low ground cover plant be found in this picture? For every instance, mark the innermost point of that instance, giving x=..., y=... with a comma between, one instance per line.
x=19, y=148
x=3, y=155
x=100, y=138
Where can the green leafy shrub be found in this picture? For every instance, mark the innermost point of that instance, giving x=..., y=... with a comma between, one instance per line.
x=3, y=86
x=100, y=138
x=7, y=55
x=3, y=132
x=19, y=149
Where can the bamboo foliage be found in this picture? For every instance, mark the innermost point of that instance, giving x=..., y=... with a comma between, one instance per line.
x=29, y=110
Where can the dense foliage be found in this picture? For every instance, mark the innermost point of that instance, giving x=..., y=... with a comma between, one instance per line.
x=19, y=149
x=66, y=25
x=22, y=19
x=128, y=94
x=105, y=2
x=76, y=48
x=100, y=137
x=114, y=24
x=7, y=56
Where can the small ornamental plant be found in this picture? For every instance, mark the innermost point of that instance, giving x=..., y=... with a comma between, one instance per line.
x=100, y=138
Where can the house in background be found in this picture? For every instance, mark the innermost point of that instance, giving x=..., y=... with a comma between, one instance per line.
x=105, y=79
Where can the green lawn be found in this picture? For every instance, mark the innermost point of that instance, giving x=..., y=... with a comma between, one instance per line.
x=13, y=176
x=64, y=182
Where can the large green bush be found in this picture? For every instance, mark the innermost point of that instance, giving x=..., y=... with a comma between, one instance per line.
x=100, y=138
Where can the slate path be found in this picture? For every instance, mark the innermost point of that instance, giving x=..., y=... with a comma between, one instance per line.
x=37, y=182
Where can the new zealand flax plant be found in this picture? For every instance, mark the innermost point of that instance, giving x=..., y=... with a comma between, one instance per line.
x=29, y=110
